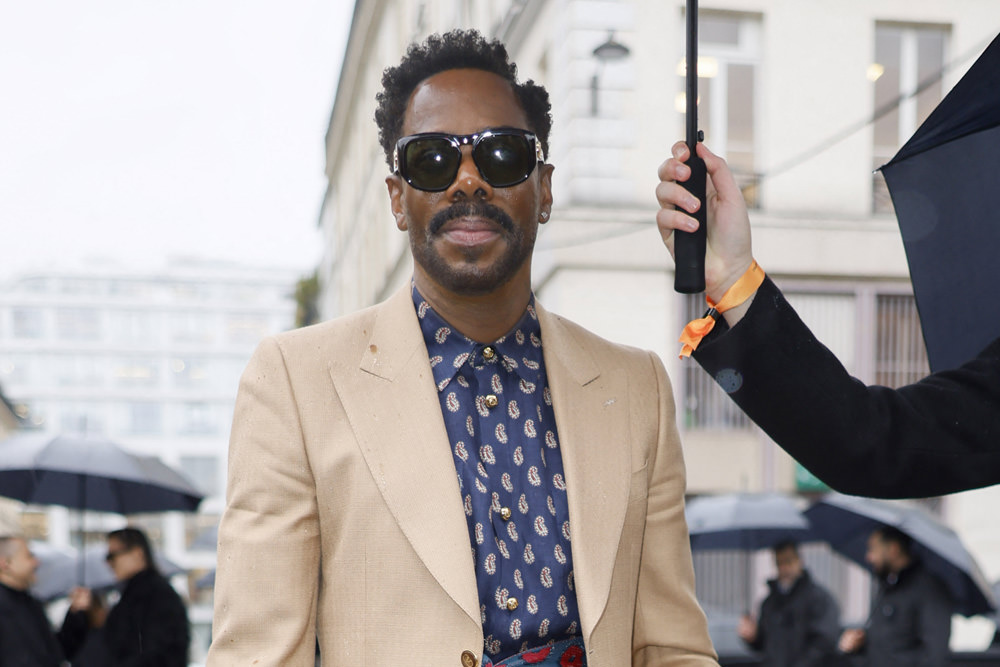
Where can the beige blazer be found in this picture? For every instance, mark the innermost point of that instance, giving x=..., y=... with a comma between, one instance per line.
x=344, y=520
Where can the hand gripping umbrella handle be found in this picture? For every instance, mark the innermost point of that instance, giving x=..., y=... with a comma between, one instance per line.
x=689, y=247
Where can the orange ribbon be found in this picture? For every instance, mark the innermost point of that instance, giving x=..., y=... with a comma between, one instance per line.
x=740, y=291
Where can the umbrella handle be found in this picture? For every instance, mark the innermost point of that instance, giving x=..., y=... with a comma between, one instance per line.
x=689, y=247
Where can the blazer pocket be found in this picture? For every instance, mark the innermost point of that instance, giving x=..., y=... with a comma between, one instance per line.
x=639, y=487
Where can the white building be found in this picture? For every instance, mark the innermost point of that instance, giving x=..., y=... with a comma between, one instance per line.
x=789, y=94
x=150, y=358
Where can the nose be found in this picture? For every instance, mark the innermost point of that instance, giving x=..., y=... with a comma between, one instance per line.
x=469, y=183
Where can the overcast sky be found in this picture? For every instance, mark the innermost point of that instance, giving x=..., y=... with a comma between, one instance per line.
x=135, y=130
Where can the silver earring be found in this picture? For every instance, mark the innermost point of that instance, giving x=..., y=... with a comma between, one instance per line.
x=544, y=215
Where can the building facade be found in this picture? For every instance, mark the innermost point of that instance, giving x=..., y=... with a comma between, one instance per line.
x=804, y=100
x=150, y=359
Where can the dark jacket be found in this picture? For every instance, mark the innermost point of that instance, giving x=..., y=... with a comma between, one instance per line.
x=937, y=436
x=910, y=622
x=147, y=628
x=26, y=638
x=798, y=628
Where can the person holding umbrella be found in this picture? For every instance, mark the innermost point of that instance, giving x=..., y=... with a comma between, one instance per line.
x=910, y=620
x=149, y=623
x=940, y=435
x=799, y=620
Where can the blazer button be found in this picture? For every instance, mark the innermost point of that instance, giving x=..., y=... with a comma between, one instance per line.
x=469, y=659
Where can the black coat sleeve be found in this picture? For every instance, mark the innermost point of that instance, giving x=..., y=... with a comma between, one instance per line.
x=937, y=436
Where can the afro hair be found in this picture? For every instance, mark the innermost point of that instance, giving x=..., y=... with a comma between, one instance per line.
x=457, y=49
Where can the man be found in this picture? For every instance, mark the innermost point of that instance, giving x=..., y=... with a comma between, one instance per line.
x=457, y=476
x=937, y=436
x=148, y=625
x=910, y=621
x=799, y=621
x=26, y=638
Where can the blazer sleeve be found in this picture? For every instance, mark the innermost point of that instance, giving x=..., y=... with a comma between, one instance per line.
x=670, y=627
x=937, y=436
x=268, y=556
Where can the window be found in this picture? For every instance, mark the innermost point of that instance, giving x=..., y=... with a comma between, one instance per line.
x=80, y=324
x=706, y=405
x=27, y=323
x=198, y=419
x=136, y=372
x=145, y=418
x=729, y=48
x=875, y=333
x=907, y=58
x=900, y=353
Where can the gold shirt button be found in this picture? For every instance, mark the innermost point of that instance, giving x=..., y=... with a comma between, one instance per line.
x=492, y=401
x=505, y=513
x=511, y=604
x=469, y=659
x=489, y=353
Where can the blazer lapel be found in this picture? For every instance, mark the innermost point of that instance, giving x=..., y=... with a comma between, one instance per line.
x=591, y=408
x=394, y=410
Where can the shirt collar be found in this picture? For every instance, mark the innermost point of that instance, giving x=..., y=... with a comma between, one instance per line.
x=519, y=351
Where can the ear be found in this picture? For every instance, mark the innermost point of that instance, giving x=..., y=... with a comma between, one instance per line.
x=395, y=185
x=545, y=192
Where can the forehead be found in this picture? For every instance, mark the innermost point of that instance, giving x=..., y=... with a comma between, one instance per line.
x=463, y=101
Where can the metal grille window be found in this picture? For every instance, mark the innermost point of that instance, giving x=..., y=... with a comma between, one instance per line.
x=900, y=353
x=706, y=405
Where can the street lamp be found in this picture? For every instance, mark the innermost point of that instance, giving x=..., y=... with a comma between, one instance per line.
x=608, y=51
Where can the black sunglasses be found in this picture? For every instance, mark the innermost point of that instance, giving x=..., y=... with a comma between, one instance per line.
x=430, y=161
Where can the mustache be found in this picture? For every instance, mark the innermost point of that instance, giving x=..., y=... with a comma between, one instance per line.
x=469, y=209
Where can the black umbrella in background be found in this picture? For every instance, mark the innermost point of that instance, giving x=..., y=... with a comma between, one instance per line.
x=945, y=186
x=846, y=522
x=90, y=473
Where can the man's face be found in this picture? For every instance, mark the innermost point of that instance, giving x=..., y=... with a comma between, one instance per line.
x=20, y=566
x=789, y=566
x=470, y=238
x=877, y=555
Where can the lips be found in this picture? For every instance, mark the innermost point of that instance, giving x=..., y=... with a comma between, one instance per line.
x=470, y=231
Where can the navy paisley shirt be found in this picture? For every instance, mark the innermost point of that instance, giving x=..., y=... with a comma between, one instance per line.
x=498, y=413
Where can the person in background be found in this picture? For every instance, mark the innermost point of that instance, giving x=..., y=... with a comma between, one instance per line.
x=149, y=624
x=26, y=637
x=936, y=436
x=910, y=620
x=799, y=621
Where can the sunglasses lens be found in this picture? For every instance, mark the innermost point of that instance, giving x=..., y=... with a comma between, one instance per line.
x=430, y=163
x=504, y=159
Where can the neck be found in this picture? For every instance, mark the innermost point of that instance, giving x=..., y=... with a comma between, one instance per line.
x=10, y=583
x=482, y=317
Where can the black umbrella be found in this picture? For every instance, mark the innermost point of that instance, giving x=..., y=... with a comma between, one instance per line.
x=745, y=521
x=943, y=184
x=846, y=522
x=59, y=570
x=90, y=473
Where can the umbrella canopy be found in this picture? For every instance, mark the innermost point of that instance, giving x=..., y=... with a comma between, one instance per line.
x=943, y=186
x=745, y=521
x=59, y=570
x=90, y=473
x=846, y=522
